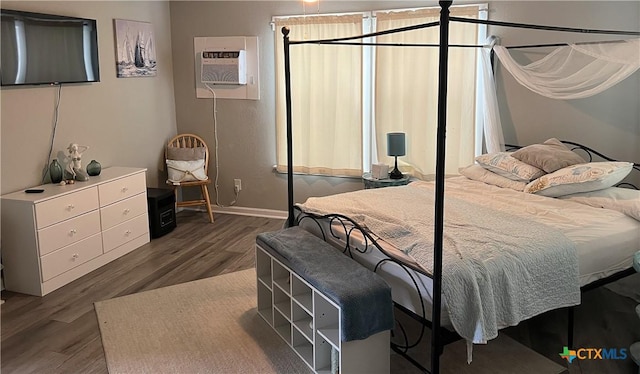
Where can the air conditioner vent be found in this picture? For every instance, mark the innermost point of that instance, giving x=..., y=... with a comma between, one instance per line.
x=224, y=67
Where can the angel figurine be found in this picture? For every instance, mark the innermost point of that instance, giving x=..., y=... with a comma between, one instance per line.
x=75, y=161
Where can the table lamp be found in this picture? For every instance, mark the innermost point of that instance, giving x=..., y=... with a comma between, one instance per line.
x=395, y=148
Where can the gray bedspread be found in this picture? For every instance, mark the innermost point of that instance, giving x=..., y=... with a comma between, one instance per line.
x=498, y=269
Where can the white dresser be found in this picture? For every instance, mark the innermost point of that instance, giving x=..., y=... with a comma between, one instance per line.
x=52, y=238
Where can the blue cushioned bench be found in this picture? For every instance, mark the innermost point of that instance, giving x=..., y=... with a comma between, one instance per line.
x=363, y=296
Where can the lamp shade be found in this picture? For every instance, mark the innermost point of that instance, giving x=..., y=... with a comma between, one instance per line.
x=396, y=144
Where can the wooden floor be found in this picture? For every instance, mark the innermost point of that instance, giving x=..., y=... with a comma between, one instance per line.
x=58, y=333
x=604, y=319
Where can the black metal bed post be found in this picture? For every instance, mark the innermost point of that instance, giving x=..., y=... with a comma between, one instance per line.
x=436, y=339
x=287, y=83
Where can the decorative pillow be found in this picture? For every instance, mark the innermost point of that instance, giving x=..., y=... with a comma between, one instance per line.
x=185, y=154
x=185, y=171
x=502, y=163
x=549, y=156
x=478, y=173
x=586, y=177
x=624, y=200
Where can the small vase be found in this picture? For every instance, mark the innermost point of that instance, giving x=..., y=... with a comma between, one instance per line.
x=55, y=171
x=94, y=168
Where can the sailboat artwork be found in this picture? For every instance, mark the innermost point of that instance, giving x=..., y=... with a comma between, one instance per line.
x=136, y=53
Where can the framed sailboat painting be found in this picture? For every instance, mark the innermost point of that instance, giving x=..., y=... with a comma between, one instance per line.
x=135, y=49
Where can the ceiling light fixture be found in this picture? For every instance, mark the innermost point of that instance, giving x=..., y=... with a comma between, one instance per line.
x=304, y=3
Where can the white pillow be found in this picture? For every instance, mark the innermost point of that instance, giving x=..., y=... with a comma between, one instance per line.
x=624, y=200
x=502, y=163
x=591, y=176
x=186, y=171
x=478, y=173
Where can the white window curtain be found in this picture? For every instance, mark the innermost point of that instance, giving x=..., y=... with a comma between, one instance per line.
x=577, y=70
x=326, y=94
x=406, y=93
x=492, y=126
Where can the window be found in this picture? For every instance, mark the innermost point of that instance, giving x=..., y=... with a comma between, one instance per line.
x=346, y=98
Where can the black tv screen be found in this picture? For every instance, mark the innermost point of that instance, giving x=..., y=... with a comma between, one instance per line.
x=41, y=48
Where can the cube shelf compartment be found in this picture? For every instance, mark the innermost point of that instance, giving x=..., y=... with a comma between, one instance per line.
x=310, y=322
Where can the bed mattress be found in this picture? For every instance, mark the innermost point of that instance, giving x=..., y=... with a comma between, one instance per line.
x=605, y=240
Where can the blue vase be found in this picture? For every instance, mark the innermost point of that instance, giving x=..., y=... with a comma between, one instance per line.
x=94, y=168
x=55, y=171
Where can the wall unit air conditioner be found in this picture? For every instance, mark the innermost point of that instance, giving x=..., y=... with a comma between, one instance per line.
x=224, y=67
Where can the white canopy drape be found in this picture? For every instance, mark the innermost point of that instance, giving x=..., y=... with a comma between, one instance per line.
x=493, y=137
x=576, y=71
x=573, y=71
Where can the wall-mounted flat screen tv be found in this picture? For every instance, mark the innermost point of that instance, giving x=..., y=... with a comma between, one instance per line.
x=38, y=48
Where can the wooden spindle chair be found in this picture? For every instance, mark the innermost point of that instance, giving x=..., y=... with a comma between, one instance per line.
x=192, y=141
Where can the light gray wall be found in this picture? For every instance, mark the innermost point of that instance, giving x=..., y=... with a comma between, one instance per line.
x=124, y=121
x=246, y=128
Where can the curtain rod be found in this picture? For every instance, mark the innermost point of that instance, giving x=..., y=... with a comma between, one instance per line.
x=329, y=42
x=395, y=44
x=402, y=29
x=541, y=27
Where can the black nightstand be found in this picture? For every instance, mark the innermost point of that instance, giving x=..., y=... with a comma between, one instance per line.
x=370, y=182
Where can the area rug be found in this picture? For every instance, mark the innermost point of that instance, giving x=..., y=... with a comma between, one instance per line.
x=205, y=326
x=212, y=326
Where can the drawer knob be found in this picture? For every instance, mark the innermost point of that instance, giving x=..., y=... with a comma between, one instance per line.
x=127, y=233
x=70, y=207
x=73, y=232
x=74, y=257
x=125, y=189
x=126, y=211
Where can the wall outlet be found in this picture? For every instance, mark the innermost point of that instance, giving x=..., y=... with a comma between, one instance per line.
x=237, y=185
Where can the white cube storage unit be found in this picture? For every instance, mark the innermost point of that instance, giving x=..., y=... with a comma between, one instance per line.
x=54, y=237
x=310, y=322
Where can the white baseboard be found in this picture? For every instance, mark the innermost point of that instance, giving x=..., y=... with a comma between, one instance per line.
x=243, y=211
x=254, y=212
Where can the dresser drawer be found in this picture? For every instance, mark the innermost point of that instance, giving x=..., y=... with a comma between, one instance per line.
x=122, y=233
x=68, y=232
x=121, y=211
x=56, y=263
x=122, y=188
x=65, y=207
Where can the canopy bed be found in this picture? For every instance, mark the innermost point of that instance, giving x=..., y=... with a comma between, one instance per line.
x=520, y=244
